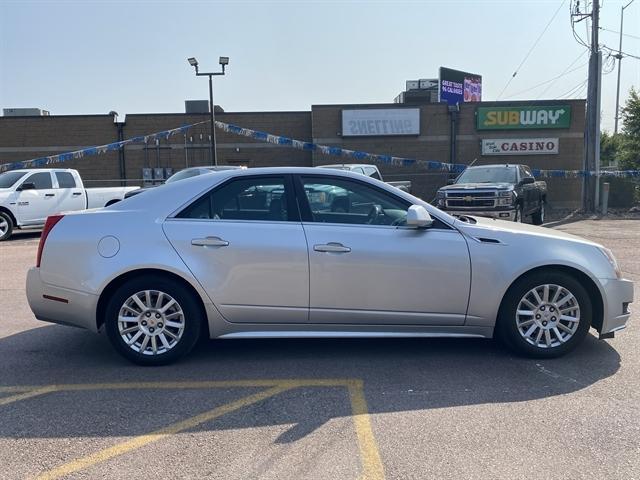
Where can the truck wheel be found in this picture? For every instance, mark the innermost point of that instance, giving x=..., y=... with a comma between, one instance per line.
x=6, y=226
x=538, y=217
x=545, y=314
x=153, y=321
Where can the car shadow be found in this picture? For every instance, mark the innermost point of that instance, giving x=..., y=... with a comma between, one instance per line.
x=399, y=375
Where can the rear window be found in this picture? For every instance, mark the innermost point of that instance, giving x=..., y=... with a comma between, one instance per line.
x=65, y=180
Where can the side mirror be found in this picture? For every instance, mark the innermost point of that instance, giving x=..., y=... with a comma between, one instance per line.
x=527, y=180
x=418, y=217
x=451, y=181
x=27, y=186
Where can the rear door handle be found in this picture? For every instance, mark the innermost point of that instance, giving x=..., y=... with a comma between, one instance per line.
x=75, y=194
x=209, y=242
x=49, y=194
x=332, y=247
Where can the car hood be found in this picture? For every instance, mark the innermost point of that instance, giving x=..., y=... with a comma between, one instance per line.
x=478, y=186
x=505, y=231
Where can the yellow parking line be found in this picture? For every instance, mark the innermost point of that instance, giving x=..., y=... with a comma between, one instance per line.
x=142, y=440
x=292, y=383
x=29, y=394
x=369, y=453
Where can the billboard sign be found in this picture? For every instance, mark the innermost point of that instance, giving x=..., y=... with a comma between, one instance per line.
x=459, y=87
x=520, y=118
x=520, y=146
x=380, y=122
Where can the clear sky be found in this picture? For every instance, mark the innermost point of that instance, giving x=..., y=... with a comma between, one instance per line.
x=86, y=56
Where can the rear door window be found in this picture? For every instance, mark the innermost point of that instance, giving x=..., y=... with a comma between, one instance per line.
x=255, y=198
x=65, y=180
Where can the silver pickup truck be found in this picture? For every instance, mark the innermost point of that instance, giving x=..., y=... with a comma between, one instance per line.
x=370, y=171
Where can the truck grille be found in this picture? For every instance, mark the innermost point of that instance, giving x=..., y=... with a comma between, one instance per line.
x=471, y=199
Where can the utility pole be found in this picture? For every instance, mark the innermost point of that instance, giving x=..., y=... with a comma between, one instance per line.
x=592, y=126
x=619, y=57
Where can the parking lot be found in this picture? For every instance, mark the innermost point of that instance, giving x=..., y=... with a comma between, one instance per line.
x=70, y=407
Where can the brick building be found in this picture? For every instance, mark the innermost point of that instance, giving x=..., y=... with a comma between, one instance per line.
x=425, y=133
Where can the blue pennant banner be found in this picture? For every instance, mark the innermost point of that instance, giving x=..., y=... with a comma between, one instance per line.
x=299, y=145
x=86, y=152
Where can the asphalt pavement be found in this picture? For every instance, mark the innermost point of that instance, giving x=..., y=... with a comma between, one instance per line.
x=70, y=407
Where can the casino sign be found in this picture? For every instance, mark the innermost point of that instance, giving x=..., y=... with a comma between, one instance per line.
x=520, y=146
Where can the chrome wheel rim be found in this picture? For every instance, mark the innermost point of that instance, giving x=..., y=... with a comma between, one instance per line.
x=542, y=213
x=518, y=215
x=4, y=226
x=151, y=322
x=548, y=316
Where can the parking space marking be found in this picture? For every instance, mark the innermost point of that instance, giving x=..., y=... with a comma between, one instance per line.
x=372, y=467
x=371, y=462
x=28, y=394
x=143, y=440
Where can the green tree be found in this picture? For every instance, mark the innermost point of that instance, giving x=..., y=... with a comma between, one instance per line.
x=630, y=139
x=609, y=148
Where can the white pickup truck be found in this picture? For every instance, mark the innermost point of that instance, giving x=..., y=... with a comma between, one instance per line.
x=28, y=197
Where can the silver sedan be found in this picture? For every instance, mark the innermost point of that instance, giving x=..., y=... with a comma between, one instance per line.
x=298, y=252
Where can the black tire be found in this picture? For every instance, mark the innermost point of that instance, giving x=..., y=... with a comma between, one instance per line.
x=507, y=327
x=538, y=217
x=191, y=319
x=7, y=223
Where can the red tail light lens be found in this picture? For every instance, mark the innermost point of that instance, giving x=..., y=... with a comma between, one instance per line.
x=48, y=226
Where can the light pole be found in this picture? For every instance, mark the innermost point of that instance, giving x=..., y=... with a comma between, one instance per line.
x=224, y=61
x=619, y=57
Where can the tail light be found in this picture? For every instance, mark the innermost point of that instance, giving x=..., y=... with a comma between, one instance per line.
x=48, y=226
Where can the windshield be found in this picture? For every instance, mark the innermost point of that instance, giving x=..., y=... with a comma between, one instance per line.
x=488, y=175
x=182, y=175
x=8, y=179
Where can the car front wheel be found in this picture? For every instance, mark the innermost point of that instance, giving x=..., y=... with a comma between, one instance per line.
x=153, y=321
x=545, y=315
x=6, y=226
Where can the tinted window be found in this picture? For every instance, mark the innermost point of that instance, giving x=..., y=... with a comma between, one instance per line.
x=488, y=175
x=261, y=198
x=42, y=180
x=335, y=200
x=527, y=172
x=8, y=179
x=65, y=180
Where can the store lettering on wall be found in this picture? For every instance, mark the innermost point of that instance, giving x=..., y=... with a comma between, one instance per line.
x=505, y=118
x=381, y=122
x=520, y=146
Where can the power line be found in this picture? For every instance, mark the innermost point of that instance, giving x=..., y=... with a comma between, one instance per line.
x=566, y=72
x=531, y=49
x=624, y=54
x=574, y=90
x=618, y=33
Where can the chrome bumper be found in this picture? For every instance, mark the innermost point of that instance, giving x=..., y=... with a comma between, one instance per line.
x=508, y=215
x=64, y=306
x=618, y=295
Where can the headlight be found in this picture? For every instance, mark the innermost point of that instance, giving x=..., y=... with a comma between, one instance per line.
x=612, y=260
x=440, y=194
x=505, y=193
x=506, y=198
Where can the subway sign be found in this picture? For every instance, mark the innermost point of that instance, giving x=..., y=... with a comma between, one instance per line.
x=522, y=118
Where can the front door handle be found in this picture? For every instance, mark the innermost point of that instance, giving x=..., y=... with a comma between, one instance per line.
x=332, y=247
x=49, y=194
x=209, y=242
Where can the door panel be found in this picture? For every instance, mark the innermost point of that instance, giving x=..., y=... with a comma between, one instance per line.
x=261, y=276
x=34, y=206
x=69, y=196
x=389, y=276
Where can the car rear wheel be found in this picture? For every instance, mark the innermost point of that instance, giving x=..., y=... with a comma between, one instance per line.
x=6, y=226
x=545, y=315
x=153, y=321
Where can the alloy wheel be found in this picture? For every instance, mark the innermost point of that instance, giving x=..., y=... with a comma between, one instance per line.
x=151, y=322
x=548, y=316
x=4, y=226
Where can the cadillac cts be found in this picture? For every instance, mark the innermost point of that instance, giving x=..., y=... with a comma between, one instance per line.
x=299, y=252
